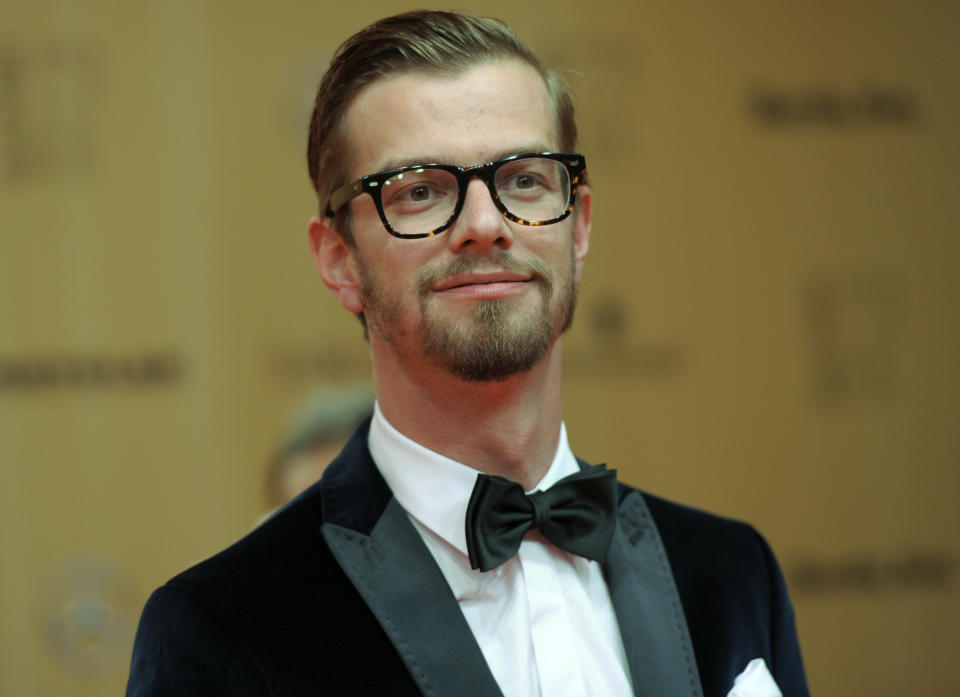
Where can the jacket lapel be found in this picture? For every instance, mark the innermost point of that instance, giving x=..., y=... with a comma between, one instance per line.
x=382, y=554
x=645, y=598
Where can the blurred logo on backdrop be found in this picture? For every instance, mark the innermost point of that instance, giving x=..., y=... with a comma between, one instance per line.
x=854, y=327
x=49, y=111
x=864, y=572
x=826, y=106
x=86, y=614
x=35, y=373
x=613, y=352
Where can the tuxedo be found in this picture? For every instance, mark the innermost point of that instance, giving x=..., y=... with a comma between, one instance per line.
x=336, y=594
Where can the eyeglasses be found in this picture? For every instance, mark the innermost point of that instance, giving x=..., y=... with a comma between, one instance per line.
x=424, y=200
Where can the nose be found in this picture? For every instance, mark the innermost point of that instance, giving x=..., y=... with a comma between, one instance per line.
x=480, y=226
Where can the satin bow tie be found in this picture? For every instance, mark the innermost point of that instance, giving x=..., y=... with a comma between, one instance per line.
x=577, y=514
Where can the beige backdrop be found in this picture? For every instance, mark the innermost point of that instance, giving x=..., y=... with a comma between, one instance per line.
x=767, y=327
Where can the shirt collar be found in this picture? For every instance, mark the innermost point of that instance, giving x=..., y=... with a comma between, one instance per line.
x=435, y=489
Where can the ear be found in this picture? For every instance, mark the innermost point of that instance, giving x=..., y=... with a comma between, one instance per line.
x=335, y=263
x=582, y=221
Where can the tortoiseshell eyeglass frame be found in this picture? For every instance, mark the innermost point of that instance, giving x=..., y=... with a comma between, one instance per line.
x=575, y=164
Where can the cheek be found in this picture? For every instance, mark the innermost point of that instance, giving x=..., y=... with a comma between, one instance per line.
x=560, y=255
x=391, y=276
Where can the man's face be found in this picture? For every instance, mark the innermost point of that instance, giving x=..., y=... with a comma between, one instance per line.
x=487, y=298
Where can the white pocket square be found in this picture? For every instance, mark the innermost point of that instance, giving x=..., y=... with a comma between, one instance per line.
x=755, y=681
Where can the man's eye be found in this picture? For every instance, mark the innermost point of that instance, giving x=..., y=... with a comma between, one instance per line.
x=419, y=193
x=524, y=182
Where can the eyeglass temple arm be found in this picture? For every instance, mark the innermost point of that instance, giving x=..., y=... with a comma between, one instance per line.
x=339, y=197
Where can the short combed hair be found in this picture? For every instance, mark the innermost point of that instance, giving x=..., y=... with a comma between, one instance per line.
x=431, y=42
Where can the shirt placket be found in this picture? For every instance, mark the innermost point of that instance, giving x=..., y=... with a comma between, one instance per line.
x=554, y=645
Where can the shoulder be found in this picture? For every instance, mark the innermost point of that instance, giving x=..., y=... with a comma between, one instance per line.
x=732, y=591
x=260, y=610
x=714, y=559
x=199, y=630
x=279, y=553
x=702, y=539
x=289, y=545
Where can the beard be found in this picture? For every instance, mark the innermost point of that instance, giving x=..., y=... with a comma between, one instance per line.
x=497, y=341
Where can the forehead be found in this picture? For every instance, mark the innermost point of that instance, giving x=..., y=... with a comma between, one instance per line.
x=492, y=109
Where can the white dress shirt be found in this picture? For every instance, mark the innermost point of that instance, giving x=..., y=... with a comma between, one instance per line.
x=543, y=619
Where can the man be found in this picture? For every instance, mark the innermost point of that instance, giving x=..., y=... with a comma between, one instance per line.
x=417, y=565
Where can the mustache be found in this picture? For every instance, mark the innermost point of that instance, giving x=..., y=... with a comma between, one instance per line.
x=536, y=268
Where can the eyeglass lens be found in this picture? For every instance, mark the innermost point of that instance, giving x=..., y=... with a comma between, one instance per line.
x=418, y=201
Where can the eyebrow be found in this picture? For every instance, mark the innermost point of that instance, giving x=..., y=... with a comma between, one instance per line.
x=439, y=159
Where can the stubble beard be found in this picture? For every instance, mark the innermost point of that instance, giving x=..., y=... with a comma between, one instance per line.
x=498, y=342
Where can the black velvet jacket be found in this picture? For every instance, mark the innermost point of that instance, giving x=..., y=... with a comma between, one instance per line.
x=337, y=595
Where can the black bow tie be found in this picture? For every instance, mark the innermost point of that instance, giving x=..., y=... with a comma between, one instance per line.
x=577, y=514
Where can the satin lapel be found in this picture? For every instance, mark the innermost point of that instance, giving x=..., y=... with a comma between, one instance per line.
x=397, y=577
x=645, y=598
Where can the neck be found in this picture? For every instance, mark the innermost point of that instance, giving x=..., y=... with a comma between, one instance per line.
x=509, y=428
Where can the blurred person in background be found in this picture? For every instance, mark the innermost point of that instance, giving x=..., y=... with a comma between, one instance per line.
x=320, y=428
x=456, y=546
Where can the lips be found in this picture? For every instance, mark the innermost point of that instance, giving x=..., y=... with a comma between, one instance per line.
x=482, y=278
